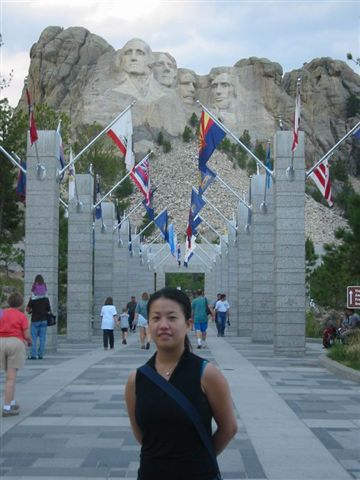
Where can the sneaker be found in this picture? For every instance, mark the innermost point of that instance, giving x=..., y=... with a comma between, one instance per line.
x=199, y=346
x=40, y=357
x=15, y=407
x=31, y=358
x=147, y=345
x=125, y=342
x=10, y=413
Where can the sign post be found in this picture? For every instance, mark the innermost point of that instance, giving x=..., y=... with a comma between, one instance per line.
x=353, y=297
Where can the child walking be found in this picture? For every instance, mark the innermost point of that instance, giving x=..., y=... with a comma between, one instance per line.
x=124, y=325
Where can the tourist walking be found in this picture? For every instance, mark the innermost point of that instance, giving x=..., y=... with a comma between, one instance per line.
x=14, y=336
x=108, y=316
x=222, y=311
x=218, y=296
x=172, y=446
x=124, y=325
x=131, y=306
x=39, y=307
x=200, y=311
x=141, y=321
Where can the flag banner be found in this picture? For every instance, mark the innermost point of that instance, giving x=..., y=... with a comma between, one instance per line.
x=21, y=184
x=130, y=240
x=268, y=165
x=296, y=118
x=32, y=125
x=207, y=177
x=162, y=223
x=321, y=178
x=196, y=222
x=61, y=151
x=209, y=138
x=140, y=175
x=197, y=203
x=189, y=251
x=98, y=209
x=72, y=179
x=172, y=239
x=121, y=134
x=118, y=216
x=149, y=210
x=357, y=134
x=178, y=253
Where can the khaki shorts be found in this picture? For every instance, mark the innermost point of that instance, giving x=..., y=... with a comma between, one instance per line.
x=12, y=353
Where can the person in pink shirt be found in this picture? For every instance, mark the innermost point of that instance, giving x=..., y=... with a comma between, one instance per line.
x=14, y=336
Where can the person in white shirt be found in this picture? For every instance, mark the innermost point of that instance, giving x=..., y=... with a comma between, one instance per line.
x=222, y=308
x=108, y=319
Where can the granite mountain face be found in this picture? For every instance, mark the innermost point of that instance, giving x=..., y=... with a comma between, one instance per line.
x=78, y=72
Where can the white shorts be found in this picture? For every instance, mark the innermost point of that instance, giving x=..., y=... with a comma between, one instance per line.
x=141, y=321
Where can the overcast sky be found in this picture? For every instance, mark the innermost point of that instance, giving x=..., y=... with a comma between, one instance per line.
x=199, y=34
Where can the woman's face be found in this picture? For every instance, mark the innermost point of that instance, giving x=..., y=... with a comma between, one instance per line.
x=167, y=323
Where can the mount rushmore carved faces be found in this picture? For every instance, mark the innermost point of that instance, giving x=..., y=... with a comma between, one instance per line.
x=187, y=85
x=223, y=90
x=136, y=57
x=165, y=69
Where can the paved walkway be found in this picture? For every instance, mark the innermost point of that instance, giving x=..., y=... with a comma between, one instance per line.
x=296, y=420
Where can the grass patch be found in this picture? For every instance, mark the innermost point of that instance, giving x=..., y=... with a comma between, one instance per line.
x=313, y=327
x=348, y=355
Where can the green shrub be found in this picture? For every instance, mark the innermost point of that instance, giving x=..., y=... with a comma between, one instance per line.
x=166, y=146
x=348, y=354
x=313, y=327
x=160, y=138
x=187, y=134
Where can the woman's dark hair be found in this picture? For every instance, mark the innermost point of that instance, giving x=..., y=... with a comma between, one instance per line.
x=109, y=301
x=15, y=300
x=180, y=298
x=39, y=279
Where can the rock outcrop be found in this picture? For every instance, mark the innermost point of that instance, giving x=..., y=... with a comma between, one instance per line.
x=78, y=72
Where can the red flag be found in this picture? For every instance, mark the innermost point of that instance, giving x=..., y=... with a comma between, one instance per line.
x=296, y=118
x=321, y=178
x=121, y=134
x=32, y=124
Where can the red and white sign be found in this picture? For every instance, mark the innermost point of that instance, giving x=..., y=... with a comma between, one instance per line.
x=353, y=297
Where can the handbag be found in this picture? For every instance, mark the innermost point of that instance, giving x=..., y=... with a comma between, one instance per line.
x=51, y=319
x=187, y=406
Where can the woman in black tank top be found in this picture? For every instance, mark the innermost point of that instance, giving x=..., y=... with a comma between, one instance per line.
x=171, y=447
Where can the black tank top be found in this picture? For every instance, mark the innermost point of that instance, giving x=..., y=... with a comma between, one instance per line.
x=171, y=447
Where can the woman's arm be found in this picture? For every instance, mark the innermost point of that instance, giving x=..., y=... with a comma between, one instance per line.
x=27, y=336
x=218, y=394
x=130, y=399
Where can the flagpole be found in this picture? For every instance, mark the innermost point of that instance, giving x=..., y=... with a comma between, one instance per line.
x=239, y=142
x=212, y=228
x=63, y=203
x=207, y=241
x=147, y=245
x=202, y=260
x=331, y=151
x=159, y=251
x=218, y=211
x=12, y=160
x=60, y=172
x=120, y=182
x=162, y=261
x=128, y=215
x=203, y=251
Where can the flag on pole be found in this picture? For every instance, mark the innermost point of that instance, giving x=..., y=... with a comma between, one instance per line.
x=209, y=138
x=121, y=133
x=268, y=165
x=72, y=179
x=189, y=251
x=357, y=133
x=178, y=253
x=321, y=178
x=161, y=221
x=21, y=184
x=61, y=150
x=118, y=216
x=130, y=240
x=98, y=209
x=296, y=118
x=140, y=175
x=207, y=177
x=197, y=203
x=32, y=125
x=172, y=239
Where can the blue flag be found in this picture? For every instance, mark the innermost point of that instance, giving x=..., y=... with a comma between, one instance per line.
x=210, y=137
x=207, y=177
x=161, y=221
x=357, y=134
x=98, y=209
x=171, y=241
x=197, y=203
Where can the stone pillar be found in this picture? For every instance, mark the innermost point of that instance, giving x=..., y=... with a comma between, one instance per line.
x=42, y=222
x=232, y=280
x=244, y=282
x=289, y=197
x=103, y=260
x=262, y=261
x=80, y=262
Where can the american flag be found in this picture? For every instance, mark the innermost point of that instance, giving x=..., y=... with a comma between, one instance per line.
x=296, y=118
x=321, y=178
x=140, y=175
x=32, y=125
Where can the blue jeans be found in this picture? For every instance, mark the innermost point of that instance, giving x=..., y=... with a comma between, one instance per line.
x=38, y=329
x=221, y=317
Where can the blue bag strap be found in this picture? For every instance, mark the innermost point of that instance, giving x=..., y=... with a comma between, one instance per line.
x=184, y=403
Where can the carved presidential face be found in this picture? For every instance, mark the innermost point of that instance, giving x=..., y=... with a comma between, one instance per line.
x=187, y=87
x=223, y=90
x=165, y=70
x=136, y=57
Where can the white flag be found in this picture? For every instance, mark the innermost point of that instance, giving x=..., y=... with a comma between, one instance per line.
x=121, y=133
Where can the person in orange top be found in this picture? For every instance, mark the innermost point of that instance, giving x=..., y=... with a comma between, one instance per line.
x=14, y=335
